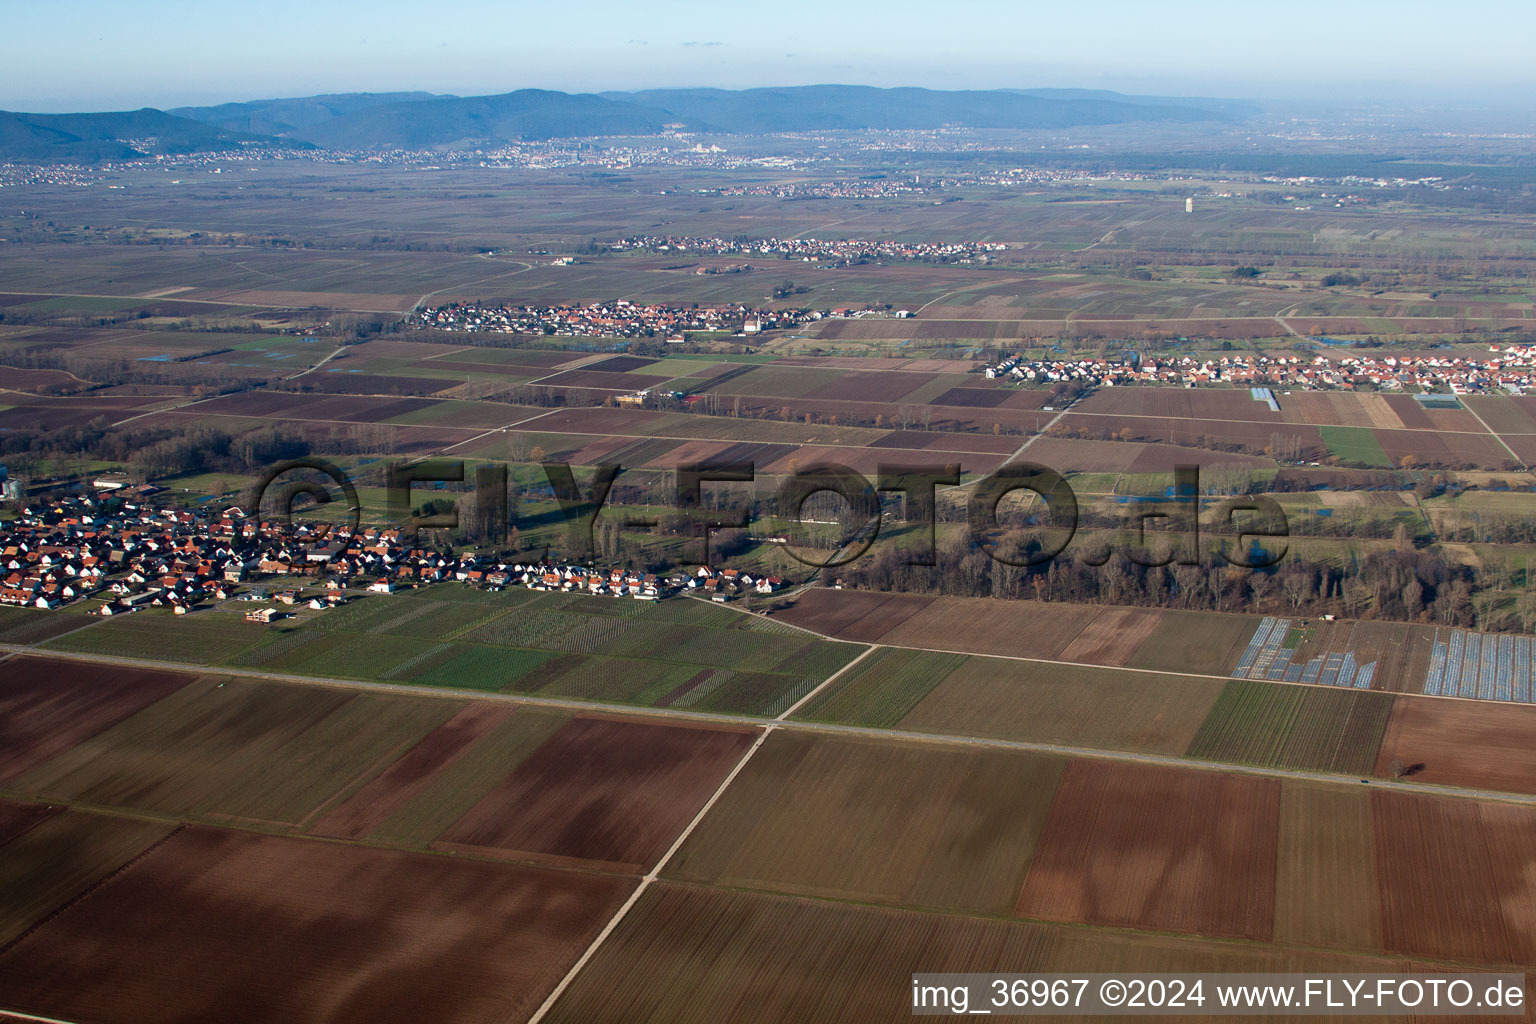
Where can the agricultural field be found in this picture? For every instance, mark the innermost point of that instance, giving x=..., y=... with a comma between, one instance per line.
x=293, y=929
x=246, y=751
x=158, y=635
x=679, y=652
x=1186, y=641
x=1104, y=708
x=1326, y=888
x=865, y=615
x=1395, y=656
x=33, y=625
x=686, y=952
x=876, y=821
x=1168, y=640
x=1479, y=854
x=1030, y=629
x=1248, y=722
x=1301, y=727
x=61, y=855
x=370, y=805
x=1114, y=636
x=815, y=825
x=1356, y=445
x=17, y=818
x=882, y=689
x=1137, y=846
x=48, y=707
x=367, y=282
x=609, y=792
x=1470, y=744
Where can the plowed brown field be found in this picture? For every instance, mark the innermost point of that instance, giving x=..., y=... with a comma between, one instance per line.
x=48, y=706
x=389, y=791
x=612, y=791
x=1476, y=744
x=222, y=925
x=1455, y=877
x=1160, y=848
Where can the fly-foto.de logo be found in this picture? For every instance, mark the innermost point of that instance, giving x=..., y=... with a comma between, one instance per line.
x=1250, y=530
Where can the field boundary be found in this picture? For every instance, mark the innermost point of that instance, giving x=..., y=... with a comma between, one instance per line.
x=824, y=684
x=85, y=893
x=1496, y=435
x=650, y=877
x=18, y=1015
x=868, y=732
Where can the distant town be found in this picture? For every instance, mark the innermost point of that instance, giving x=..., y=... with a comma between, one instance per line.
x=841, y=253
x=1507, y=369
x=622, y=319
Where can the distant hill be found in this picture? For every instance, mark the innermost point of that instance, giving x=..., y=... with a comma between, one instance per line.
x=422, y=120
x=122, y=135
x=451, y=120
x=418, y=120
x=288, y=116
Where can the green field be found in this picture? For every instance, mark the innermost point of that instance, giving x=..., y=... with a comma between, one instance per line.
x=680, y=651
x=880, y=690
x=201, y=638
x=1302, y=727
x=1355, y=444
x=32, y=625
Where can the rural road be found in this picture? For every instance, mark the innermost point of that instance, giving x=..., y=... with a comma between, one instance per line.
x=183, y=405
x=496, y=430
x=766, y=728
x=828, y=728
x=1468, y=406
x=1037, y=435
x=470, y=284
x=334, y=353
x=1280, y=319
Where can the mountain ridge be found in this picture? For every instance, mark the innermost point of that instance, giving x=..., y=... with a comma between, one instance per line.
x=114, y=135
x=421, y=120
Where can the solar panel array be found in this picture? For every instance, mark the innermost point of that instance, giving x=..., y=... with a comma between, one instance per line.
x=1487, y=666
x=1267, y=657
x=1462, y=663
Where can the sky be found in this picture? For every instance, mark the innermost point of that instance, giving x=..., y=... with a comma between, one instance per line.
x=112, y=55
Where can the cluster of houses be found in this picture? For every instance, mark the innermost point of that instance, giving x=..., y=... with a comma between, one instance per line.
x=859, y=188
x=132, y=554
x=129, y=555
x=1507, y=368
x=842, y=252
x=718, y=585
x=618, y=319
x=724, y=584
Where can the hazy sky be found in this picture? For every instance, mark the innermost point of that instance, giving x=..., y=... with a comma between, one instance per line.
x=108, y=54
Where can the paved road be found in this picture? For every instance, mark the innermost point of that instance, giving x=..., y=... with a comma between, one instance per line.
x=470, y=284
x=1468, y=406
x=1062, y=749
x=1021, y=449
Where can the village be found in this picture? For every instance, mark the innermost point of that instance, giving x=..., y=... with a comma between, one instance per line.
x=1507, y=368
x=840, y=253
x=621, y=318
x=124, y=553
